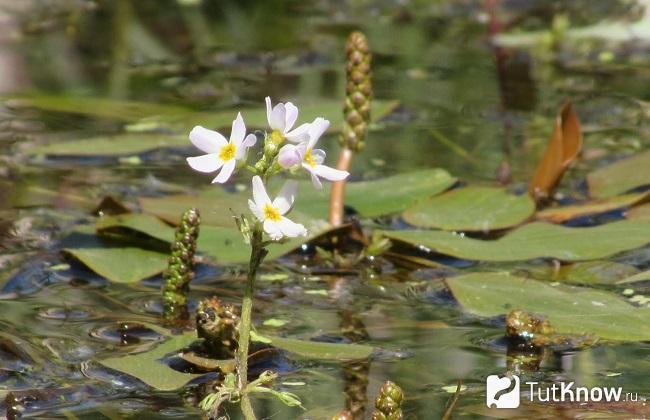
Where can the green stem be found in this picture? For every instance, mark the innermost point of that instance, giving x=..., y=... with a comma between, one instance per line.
x=258, y=252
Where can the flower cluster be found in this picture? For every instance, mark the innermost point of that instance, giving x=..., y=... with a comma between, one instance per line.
x=225, y=156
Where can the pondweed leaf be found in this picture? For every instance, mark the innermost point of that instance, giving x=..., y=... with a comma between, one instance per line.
x=561, y=214
x=121, y=265
x=146, y=366
x=570, y=309
x=621, y=176
x=471, y=209
x=534, y=240
x=320, y=350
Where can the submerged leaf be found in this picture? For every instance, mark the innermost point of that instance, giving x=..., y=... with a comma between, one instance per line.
x=570, y=309
x=562, y=149
x=320, y=350
x=121, y=265
x=621, y=176
x=146, y=366
x=535, y=240
x=471, y=209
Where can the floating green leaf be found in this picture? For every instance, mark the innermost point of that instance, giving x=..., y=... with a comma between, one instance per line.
x=563, y=213
x=320, y=350
x=121, y=265
x=595, y=272
x=535, y=240
x=379, y=197
x=224, y=244
x=146, y=366
x=621, y=176
x=471, y=209
x=570, y=309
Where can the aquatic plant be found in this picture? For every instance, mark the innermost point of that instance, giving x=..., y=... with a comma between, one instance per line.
x=356, y=112
x=270, y=223
x=180, y=268
x=388, y=404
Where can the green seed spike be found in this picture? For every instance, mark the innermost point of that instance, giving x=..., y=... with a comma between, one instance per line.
x=180, y=267
x=358, y=91
x=388, y=405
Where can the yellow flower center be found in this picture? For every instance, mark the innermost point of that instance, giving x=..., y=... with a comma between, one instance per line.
x=271, y=213
x=228, y=152
x=277, y=137
x=309, y=158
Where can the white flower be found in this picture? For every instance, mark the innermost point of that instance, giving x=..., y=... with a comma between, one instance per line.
x=221, y=154
x=271, y=213
x=309, y=158
x=282, y=118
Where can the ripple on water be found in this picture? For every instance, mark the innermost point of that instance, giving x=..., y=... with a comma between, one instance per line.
x=126, y=333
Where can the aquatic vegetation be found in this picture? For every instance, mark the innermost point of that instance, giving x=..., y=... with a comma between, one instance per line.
x=358, y=93
x=388, y=404
x=180, y=268
x=271, y=221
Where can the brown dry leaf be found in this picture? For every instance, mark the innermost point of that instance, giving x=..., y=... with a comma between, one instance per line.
x=562, y=149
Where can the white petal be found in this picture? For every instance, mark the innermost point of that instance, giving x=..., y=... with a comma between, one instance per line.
x=259, y=192
x=273, y=229
x=268, y=110
x=206, y=163
x=249, y=141
x=317, y=128
x=289, y=156
x=314, y=180
x=238, y=130
x=225, y=173
x=298, y=134
x=278, y=118
x=330, y=174
x=318, y=155
x=206, y=140
x=291, y=115
x=256, y=210
x=291, y=229
x=285, y=198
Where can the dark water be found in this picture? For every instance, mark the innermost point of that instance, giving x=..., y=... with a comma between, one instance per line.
x=463, y=106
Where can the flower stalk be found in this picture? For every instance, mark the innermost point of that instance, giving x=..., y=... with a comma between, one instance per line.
x=258, y=252
x=180, y=268
x=356, y=113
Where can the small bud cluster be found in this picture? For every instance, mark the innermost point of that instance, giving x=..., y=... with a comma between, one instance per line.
x=180, y=268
